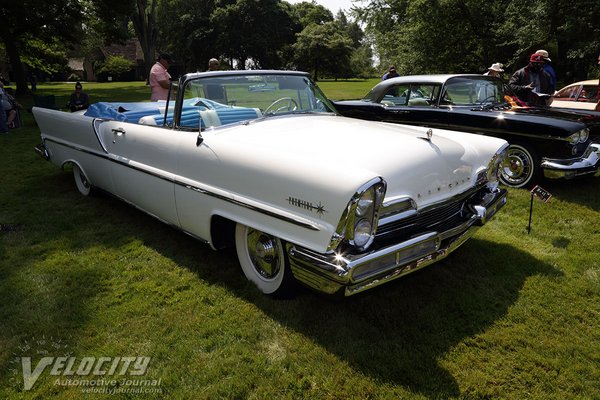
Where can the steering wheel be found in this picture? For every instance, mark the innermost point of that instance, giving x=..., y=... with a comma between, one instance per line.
x=492, y=97
x=290, y=106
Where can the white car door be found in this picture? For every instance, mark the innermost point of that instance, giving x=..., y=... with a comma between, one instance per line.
x=143, y=160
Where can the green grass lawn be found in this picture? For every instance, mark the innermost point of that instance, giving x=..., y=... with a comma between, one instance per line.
x=509, y=315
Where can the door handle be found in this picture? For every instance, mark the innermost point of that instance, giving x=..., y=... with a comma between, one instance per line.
x=117, y=132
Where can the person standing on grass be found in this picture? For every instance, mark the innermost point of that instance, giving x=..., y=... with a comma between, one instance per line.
x=548, y=68
x=392, y=73
x=160, y=78
x=531, y=82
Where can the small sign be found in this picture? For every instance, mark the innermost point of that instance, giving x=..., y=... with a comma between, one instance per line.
x=541, y=193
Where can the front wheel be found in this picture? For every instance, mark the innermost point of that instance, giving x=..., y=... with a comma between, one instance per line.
x=262, y=258
x=521, y=167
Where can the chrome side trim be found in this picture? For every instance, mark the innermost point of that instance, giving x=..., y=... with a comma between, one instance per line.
x=249, y=206
x=228, y=197
x=98, y=121
x=72, y=146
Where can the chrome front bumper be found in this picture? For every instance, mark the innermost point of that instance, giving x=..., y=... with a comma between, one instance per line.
x=355, y=273
x=588, y=164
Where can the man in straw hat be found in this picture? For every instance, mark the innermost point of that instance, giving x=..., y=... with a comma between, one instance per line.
x=495, y=69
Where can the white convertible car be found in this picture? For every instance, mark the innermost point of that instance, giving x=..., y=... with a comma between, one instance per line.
x=261, y=160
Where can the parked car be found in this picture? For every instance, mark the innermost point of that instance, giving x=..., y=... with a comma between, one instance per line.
x=300, y=191
x=579, y=95
x=543, y=141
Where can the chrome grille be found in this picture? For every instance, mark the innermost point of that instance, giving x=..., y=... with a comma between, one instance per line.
x=436, y=218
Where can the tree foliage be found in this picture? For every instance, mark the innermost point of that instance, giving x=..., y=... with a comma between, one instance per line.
x=433, y=36
x=115, y=65
x=323, y=48
x=252, y=29
x=27, y=27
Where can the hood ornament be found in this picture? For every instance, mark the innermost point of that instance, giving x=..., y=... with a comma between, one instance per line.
x=429, y=134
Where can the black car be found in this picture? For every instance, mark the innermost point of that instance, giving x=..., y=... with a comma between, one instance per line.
x=543, y=141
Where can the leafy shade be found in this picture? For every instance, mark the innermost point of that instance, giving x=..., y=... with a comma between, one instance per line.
x=115, y=65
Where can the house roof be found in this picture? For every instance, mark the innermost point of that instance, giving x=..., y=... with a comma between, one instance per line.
x=131, y=50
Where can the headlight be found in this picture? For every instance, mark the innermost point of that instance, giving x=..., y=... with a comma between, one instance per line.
x=494, y=166
x=579, y=137
x=359, y=221
x=365, y=202
x=362, y=233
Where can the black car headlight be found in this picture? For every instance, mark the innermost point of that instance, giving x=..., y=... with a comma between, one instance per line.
x=581, y=136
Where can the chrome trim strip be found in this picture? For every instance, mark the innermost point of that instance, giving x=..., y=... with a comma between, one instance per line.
x=249, y=206
x=139, y=167
x=99, y=121
x=81, y=149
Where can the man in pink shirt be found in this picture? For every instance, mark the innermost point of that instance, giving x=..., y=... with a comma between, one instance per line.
x=159, y=78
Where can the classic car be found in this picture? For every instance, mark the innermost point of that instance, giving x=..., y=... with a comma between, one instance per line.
x=579, y=95
x=543, y=141
x=303, y=193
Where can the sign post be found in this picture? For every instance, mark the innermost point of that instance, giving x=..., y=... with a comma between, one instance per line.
x=541, y=194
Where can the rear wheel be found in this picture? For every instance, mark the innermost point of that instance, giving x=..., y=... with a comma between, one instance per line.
x=262, y=258
x=83, y=184
x=522, y=166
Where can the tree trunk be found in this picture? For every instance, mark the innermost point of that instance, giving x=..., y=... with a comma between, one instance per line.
x=12, y=51
x=144, y=23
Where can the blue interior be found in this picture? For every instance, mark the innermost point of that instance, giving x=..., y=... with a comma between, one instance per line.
x=190, y=116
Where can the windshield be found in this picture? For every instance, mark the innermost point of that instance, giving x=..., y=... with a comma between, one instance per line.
x=223, y=100
x=473, y=91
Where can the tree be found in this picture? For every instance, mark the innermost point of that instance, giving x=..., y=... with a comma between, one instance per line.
x=115, y=65
x=306, y=13
x=25, y=21
x=187, y=28
x=424, y=36
x=252, y=30
x=323, y=49
x=143, y=16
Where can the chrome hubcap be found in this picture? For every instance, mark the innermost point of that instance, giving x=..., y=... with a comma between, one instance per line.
x=517, y=166
x=264, y=254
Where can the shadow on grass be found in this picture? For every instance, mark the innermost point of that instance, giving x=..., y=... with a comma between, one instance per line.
x=583, y=190
x=398, y=333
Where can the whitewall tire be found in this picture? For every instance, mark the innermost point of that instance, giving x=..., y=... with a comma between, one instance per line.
x=83, y=184
x=262, y=258
x=522, y=166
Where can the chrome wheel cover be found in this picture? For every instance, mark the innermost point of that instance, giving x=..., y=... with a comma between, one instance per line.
x=518, y=166
x=264, y=251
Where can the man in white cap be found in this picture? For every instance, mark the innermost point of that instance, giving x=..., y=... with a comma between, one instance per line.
x=548, y=68
x=495, y=69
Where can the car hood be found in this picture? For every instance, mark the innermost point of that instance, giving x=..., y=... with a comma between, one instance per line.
x=324, y=159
